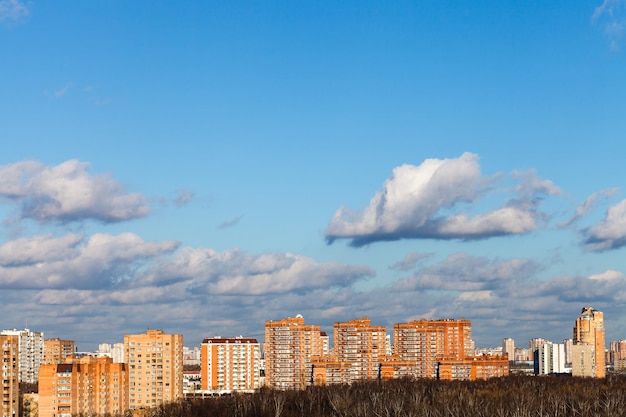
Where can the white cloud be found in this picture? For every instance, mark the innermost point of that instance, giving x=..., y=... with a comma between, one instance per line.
x=13, y=10
x=588, y=204
x=611, y=16
x=410, y=261
x=67, y=192
x=423, y=202
x=610, y=232
x=102, y=261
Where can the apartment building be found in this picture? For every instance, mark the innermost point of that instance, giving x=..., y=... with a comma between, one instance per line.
x=420, y=345
x=85, y=386
x=230, y=364
x=10, y=375
x=289, y=346
x=30, y=353
x=588, y=356
x=155, y=361
x=360, y=345
x=57, y=351
x=508, y=348
x=549, y=358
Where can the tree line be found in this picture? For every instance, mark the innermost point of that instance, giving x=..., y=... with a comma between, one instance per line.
x=513, y=396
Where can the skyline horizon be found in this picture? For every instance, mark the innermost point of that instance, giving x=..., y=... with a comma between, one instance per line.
x=200, y=165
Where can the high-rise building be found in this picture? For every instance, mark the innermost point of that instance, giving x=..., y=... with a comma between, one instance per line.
x=425, y=343
x=289, y=346
x=360, y=346
x=588, y=356
x=30, y=353
x=230, y=364
x=57, y=351
x=155, y=361
x=9, y=354
x=85, y=386
x=441, y=349
x=508, y=348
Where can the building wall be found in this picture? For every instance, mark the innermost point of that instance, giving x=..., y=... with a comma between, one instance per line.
x=9, y=353
x=57, y=351
x=360, y=345
x=583, y=360
x=30, y=353
x=83, y=386
x=589, y=330
x=508, y=347
x=230, y=364
x=155, y=361
x=426, y=342
x=289, y=346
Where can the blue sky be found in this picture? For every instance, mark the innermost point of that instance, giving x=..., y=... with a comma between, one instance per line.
x=202, y=167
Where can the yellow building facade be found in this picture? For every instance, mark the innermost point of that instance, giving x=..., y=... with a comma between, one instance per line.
x=230, y=364
x=155, y=362
x=588, y=351
x=86, y=386
x=9, y=353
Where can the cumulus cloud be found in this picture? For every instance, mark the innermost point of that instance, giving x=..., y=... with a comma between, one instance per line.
x=463, y=272
x=410, y=261
x=611, y=17
x=423, y=201
x=13, y=11
x=101, y=261
x=67, y=192
x=610, y=232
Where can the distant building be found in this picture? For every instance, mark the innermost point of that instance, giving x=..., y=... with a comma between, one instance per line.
x=508, y=348
x=57, y=351
x=155, y=361
x=289, y=346
x=114, y=351
x=420, y=345
x=588, y=357
x=9, y=354
x=230, y=364
x=360, y=345
x=441, y=349
x=549, y=358
x=30, y=353
x=85, y=386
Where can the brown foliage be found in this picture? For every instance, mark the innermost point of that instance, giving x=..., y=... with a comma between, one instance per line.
x=514, y=396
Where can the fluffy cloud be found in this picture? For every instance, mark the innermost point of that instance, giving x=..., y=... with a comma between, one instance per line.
x=610, y=232
x=423, y=202
x=67, y=192
x=102, y=261
x=462, y=272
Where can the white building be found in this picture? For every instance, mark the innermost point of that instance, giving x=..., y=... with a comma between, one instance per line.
x=550, y=359
x=114, y=351
x=508, y=347
x=31, y=352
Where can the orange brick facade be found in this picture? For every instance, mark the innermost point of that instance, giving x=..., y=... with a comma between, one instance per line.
x=86, y=386
x=289, y=346
x=57, y=351
x=230, y=364
x=10, y=375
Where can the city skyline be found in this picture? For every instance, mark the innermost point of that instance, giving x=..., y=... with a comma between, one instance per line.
x=202, y=168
